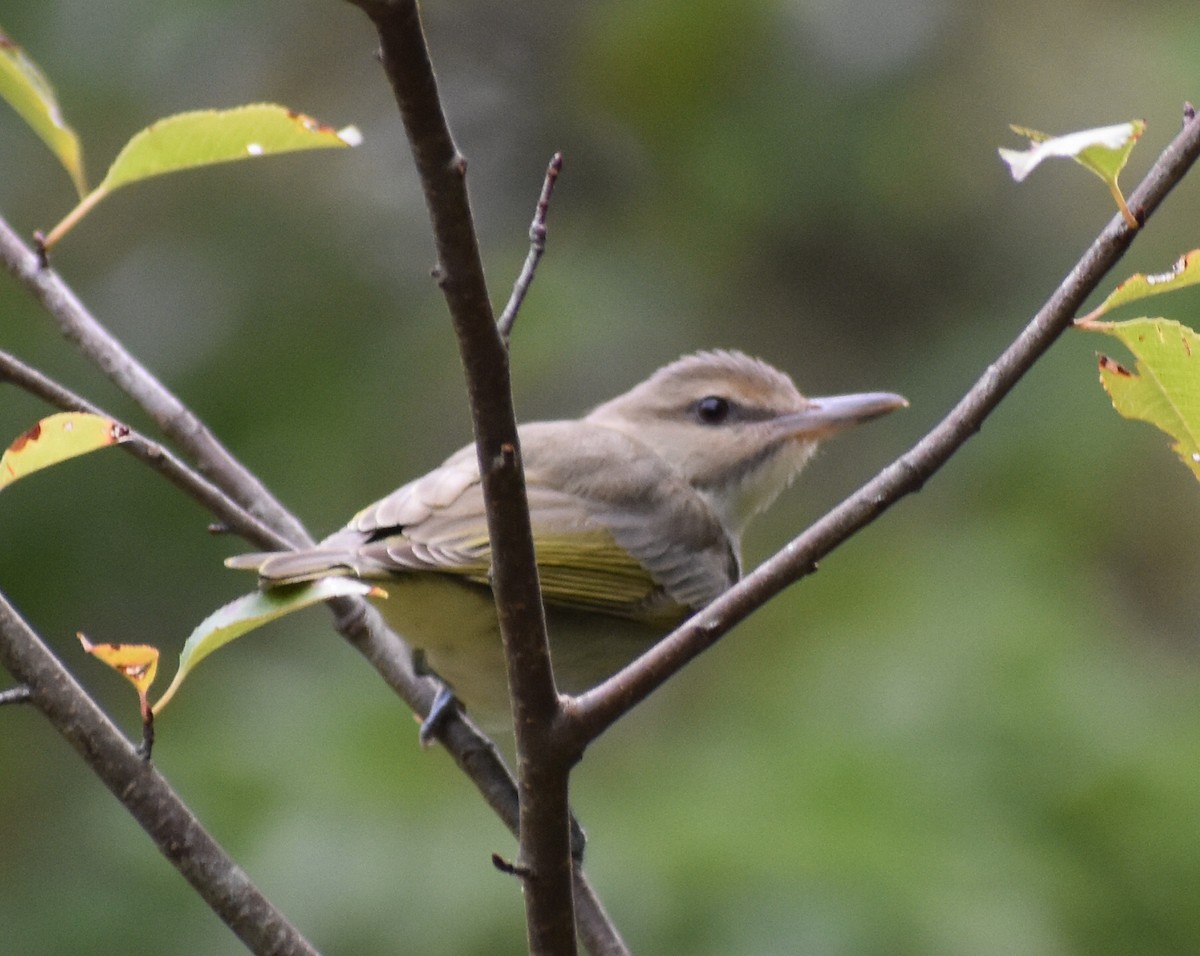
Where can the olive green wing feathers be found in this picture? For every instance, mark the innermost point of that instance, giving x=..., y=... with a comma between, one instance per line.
x=615, y=530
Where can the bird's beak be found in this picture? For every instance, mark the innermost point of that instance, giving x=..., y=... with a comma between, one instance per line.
x=822, y=417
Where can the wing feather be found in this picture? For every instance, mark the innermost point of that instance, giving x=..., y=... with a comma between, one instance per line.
x=617, y=531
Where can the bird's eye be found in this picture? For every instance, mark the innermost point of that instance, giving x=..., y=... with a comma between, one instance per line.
x=712, y=410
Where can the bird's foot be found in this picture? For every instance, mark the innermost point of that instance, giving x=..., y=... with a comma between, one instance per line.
x=444, y=705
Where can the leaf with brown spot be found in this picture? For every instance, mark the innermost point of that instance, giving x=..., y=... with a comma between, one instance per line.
x=57, y=438
x=138, y=664
x=1163, y=388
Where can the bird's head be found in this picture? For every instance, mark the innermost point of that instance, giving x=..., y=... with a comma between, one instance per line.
x=735, y=428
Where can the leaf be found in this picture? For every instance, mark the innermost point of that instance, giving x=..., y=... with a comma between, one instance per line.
x=252, y=611
x=205, y=137
x=1103, y=150
x=1185, y=272
x=1164, y=386
x=138, y=663
x=57, y=438
x=27, y=91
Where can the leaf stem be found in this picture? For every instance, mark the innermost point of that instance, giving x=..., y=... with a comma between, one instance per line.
x=70, y=219
x=1119, y=198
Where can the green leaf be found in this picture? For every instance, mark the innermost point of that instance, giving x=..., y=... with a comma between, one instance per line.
x=1185, y=272
x=57, y=438
x=252, y=611
x=1164, y=387
x=27, y=91
x=206, y=137
x=1104, y=151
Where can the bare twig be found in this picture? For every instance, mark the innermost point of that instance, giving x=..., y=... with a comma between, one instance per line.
x=592, y=712
x=544, y=831
x=145, y=793
x=537, y=248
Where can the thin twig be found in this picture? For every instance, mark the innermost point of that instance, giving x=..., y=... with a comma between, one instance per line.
x=146, y=794
x=591, y=713
x=236, y=518
x=537, y=248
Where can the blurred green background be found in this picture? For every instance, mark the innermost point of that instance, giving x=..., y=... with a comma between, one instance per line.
x=975, y=731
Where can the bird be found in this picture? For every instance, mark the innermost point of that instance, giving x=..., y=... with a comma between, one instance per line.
x=637, y=511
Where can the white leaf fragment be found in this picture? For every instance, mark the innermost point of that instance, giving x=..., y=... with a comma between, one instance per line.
x=1023, y=162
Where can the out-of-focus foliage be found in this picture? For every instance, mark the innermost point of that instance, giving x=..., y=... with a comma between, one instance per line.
x=24, y=87
x=976, y=730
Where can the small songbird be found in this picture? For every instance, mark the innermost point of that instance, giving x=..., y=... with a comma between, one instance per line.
x=637, y=512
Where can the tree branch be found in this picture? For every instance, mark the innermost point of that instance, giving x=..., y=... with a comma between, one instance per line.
x=356, y=620
x=235, y=518
x=591, y=713
x=79, y=327
x=543, y=772
x=146, y=794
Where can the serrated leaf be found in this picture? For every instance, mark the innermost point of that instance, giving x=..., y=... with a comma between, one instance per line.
x=25, y=88
x=1103, y=150
x=1184, y=273
x=206, y=137
x=1164, y=386
x=251, y=611
x=57, y=438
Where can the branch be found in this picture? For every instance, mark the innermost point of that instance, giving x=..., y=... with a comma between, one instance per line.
x=544, y=832
x=358, y=622
x=591, y=713
x=79, y=327
x=145, y=793
x=235, y=518
x=537, y=248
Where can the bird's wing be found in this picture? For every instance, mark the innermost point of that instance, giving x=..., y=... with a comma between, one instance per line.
x=616, y=530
